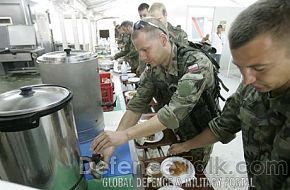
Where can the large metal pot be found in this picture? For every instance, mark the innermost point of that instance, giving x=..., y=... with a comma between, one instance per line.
x=77, y=70
x=38, y=142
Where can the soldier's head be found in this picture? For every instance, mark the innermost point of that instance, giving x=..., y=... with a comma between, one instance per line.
x=151, y=41
x=126, y=27
x=158, y=11
x=259, y=40
x=143, y=10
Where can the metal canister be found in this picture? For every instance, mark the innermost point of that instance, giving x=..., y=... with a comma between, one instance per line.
x=77, y=70
x=38, y=142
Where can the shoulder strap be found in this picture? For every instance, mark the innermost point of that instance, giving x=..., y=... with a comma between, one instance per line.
x=182, y=50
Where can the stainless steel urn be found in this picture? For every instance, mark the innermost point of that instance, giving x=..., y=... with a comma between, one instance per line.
x=77, y=70
x=38, y=142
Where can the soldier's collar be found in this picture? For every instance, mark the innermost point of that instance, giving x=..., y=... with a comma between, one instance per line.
x=284, y=94
x=172, y=68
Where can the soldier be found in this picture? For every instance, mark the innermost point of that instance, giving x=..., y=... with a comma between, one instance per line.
x=179, y=81
x=158, y=10
x=123, y=41
x=260, y=44
x=129, y=53
x=143, y=10
x=143, y=13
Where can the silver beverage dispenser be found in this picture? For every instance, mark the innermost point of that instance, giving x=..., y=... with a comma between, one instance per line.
x=38, y=142
x=77, y=70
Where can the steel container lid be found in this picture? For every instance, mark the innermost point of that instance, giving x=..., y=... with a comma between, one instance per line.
x=21, y=109
x=66, y=56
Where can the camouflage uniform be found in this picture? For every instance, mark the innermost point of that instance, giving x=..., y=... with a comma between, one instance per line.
x=132, y=57
x=265, y=126
x=129, y=53
x=178, y=94
x=126, y=41
x=177, y=35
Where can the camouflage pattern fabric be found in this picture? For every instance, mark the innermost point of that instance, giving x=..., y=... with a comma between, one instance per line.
x=141, y=68
x=265, y=126
x=125, y=40
x=177, y=95
x=176, y=34
x=132, y=57
x=129, y=53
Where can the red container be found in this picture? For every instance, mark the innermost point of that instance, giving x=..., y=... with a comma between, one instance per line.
x=106, y=88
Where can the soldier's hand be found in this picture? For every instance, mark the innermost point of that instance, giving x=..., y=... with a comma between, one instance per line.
x=177, y=149
x=107, y=139
x=107, y=153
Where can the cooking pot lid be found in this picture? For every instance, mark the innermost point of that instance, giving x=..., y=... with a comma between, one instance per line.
x=67, y=56
x=31, y=99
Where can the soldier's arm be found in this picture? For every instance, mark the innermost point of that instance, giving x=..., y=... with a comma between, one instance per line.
x=121, y=54
x=222, y=128
x=137, y=105
x=228, y=123
x=129, y=119
x=205, y=138
x=124, y=52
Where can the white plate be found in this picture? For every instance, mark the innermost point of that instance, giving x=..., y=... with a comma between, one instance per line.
x=134, y=79
x=171, y=187
x=116, y=70
x=130, y=75
x=158, y=137
x=129, y=95
x=177, y=180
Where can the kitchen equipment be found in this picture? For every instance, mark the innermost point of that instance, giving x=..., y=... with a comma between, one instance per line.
x=77, y=70
x=38, y=143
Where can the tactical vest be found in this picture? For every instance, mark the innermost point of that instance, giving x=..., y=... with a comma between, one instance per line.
x=205, y=110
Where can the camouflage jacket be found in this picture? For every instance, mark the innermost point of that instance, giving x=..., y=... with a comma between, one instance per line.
x=176, y=34
x=265, y=126
x=126, y=41
x=129, y=53
x=132, y=57
x=176, y=94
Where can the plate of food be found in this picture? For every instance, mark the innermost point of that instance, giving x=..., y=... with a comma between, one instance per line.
x=130, y=75
x=130, y=94
x=134, y=79
x=155, y=137
x=170, y=187
x=178, y=170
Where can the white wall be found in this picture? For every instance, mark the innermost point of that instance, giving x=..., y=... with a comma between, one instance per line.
x=227, y=14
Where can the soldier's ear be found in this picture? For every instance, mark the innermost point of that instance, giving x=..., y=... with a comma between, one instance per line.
x=163, y=39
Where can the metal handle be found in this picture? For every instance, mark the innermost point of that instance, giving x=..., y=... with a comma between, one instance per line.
x=26, y=91
x=67, y=51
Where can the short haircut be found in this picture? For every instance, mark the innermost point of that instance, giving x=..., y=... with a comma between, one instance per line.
x=270, y=17
x=126, y=23
x=158, y=7
x=143, y=6
x=153, y=31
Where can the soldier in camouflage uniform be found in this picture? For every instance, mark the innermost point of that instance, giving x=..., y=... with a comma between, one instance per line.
x=128, y=52
x=124, y=41
x=158, y=11
x=260, y=45
x=178, y=81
